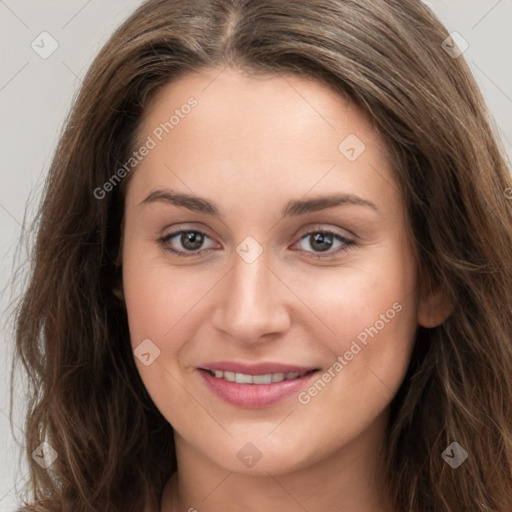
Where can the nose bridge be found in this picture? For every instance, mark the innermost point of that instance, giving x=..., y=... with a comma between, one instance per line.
x=251, y=304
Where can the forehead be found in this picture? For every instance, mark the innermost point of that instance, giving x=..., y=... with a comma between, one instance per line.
x=267, y=106
x=223, y=130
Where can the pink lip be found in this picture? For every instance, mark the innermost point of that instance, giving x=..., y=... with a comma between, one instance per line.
x=254, y=396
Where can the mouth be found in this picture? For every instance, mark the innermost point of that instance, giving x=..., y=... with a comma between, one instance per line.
x=265, y=378
x=255, y=386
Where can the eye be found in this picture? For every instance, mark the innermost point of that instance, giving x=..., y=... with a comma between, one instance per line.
x=185, y=243
x=320, y=243
x=324, y=241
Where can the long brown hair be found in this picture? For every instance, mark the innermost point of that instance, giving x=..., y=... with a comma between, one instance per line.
x=85, y=397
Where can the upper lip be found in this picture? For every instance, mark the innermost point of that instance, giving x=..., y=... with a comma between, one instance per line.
x=256, y=369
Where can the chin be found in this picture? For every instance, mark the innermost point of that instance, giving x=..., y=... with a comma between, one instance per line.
x=261, y=457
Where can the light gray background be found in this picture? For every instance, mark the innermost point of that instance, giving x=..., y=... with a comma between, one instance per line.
x=36, y=93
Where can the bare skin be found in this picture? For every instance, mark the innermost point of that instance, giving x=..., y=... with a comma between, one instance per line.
x=250, y=146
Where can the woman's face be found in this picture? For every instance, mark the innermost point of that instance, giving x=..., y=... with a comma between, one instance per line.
x=266, y=238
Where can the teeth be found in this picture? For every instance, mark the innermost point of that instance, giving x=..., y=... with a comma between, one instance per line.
x=242, y=378
x=262, y=379
x=229, y=376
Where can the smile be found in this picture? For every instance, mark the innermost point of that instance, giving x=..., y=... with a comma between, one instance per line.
x=267, y=378
x=262, y=386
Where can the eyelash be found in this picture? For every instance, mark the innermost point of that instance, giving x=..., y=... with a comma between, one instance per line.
x=164, y=241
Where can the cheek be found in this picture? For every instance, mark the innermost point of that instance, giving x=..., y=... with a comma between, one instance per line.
x=160, y=304
x=157, y=297
x=347, y=302
x=373, y=318
x=370, y=311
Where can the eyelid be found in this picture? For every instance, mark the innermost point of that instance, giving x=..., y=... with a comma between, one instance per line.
x=346, y=241
x=326, y=226
x=165, y=240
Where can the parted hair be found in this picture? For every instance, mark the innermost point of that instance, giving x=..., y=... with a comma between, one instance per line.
x=84, y=394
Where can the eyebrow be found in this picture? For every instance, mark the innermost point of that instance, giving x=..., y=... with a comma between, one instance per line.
x=293, y=208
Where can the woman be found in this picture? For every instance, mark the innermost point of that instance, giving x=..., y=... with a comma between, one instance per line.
x=272, y=270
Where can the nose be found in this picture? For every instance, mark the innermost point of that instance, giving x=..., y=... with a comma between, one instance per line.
x=251, y=302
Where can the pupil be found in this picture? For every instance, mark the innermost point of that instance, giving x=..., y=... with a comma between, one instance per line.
x=191, y=240
x=324, y=241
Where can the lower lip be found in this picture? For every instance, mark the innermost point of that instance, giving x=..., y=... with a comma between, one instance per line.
x=254, y=396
